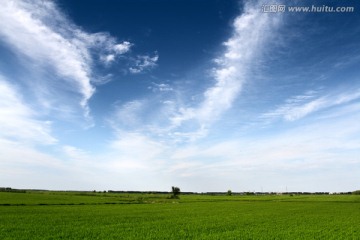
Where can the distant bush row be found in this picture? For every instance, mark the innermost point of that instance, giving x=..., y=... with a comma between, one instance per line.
x=229, y=192
x=7, y=189
x=357, y=192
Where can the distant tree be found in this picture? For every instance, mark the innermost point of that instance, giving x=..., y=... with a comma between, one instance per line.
x=175, y=192
x=229, y=192
x=357, y=192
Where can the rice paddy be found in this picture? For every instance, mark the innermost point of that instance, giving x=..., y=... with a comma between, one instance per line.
x=75, y=215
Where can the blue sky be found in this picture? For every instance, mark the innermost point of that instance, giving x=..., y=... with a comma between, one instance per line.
x=204, y=95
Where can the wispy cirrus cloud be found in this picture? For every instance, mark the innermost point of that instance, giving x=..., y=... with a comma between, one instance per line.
x=144, y=63
x=251, y=30
x=303, y=105
x=161, y=87
x=127, y=115
x=294, y=157
x=191, y=120
x=18, y=122
x=30, y=29
x=122, y=48
x=115, y=50
x=58, y=54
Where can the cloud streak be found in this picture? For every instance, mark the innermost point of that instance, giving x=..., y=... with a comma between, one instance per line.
x=18, y=122
x=26, y=27
x=115, y=50
x=300, y=106
x=59, y=55
x=144, y=63
x=251, y=31
x=190, y=120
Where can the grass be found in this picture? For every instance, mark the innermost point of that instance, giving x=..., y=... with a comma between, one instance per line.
x=56, y=215
x=76, y=198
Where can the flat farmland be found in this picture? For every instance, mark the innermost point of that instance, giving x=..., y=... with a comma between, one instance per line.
x=63, y=215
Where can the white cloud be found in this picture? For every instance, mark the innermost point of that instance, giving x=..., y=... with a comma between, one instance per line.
x=16, y=156
x=143, y=63
x=53, y=47
x=147, y=116
x=103, y=79
x=251, y=31
x=128, y=114
x=18, y=121
x=134, y=161
x=122, y=48
x=191, y=120
x=161, y=87
x=326, y=148
x=131, y=143
x=107, y=59
x=114, y=50
x=75, y=153
x=300, y=106
x=24, y=27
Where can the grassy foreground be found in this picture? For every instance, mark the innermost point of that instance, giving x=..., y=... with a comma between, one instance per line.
x=59, y=215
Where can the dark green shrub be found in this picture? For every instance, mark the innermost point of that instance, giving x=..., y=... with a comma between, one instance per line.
x=357, y=192
x=175, y=192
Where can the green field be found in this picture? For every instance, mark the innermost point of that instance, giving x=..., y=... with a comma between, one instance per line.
x=64, y=215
